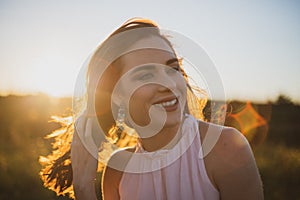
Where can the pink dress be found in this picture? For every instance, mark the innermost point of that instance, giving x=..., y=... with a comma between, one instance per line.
x=178, y=173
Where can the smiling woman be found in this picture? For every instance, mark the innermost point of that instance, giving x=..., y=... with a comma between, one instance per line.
x=138, y=96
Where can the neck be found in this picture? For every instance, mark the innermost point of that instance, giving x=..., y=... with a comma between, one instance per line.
x=167, y=138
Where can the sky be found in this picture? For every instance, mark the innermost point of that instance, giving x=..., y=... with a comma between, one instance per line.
x=255, y=45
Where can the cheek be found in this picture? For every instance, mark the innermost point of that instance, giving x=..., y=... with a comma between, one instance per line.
x=139, y=104
x=181, y=84
x=141, y=98
x=182, y=89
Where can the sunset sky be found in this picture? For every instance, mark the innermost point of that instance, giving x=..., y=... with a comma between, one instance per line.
x=254, y=44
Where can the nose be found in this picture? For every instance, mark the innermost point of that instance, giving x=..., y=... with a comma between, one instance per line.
x=166, y=82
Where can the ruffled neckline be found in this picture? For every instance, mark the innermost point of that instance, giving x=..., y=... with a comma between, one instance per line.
x=143, y=161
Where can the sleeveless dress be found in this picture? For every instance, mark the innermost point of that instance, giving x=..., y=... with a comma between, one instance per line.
x=177, y=173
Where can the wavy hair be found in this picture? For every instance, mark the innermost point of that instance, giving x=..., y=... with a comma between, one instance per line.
x=57, y=167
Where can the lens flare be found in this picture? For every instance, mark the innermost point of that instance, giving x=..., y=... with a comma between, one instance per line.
x=251, y=120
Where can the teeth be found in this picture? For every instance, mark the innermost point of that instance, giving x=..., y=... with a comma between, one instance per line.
x=168, y=103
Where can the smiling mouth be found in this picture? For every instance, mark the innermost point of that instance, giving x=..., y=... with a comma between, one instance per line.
x=168, y=104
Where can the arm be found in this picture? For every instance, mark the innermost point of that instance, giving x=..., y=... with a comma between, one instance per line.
x=110, y=184
x=113, y=173
x=84, y=167
x=235, y=171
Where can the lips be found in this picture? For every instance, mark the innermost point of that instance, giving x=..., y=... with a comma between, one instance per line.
x=170, y=104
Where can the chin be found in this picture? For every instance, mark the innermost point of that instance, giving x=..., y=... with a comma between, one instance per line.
x=173, y=119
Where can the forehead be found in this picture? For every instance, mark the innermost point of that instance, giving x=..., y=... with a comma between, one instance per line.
x=152, y=49
x=144, y=56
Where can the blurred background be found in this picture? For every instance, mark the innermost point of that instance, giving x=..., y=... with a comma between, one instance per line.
x=255, y=46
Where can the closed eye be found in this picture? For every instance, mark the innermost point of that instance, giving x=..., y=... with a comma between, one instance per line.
x=143, y=77
x=176, y=67
x=172, y=69
x=174, y=63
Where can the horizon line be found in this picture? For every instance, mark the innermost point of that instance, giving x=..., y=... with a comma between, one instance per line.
x=266, y=101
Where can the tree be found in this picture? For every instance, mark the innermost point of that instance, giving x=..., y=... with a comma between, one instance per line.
x=284, y=100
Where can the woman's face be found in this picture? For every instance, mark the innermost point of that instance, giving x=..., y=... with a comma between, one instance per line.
x=152, y=78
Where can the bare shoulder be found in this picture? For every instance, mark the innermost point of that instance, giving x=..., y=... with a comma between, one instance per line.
x=230, y=164
x=233, y=146
x=223, y=146
x=228, y=142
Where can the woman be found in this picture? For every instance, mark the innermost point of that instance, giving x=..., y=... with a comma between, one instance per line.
x=136, y=84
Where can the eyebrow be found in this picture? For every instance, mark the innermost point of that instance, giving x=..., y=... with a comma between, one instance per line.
x=172, y=60
x=144, y=67
x=152, y=67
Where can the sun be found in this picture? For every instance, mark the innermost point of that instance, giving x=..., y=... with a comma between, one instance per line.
x=55, y=82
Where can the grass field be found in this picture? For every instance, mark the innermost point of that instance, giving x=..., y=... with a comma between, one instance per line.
x=24, y=121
